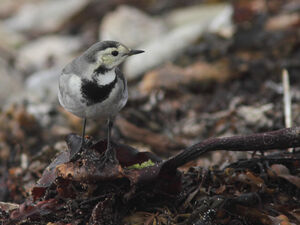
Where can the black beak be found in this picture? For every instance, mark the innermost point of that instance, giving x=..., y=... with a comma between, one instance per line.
x=134, y=52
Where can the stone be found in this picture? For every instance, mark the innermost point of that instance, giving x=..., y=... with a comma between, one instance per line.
x=54, y=48
x=168, y=46
x=256, y=115
x=170, y=77
x=9, y=38
x=130, y=26
x=202, y=12
x=282, y=22
x=42, y=86
x=10, y=82
x=44, y=16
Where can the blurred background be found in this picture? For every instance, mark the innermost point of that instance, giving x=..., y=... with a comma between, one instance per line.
x=211, y=68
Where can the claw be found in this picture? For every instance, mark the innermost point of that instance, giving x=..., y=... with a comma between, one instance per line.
x=110, y=155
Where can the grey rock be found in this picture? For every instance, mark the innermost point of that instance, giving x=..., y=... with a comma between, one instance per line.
x=170, y=45
x=41, y=112
x=36, y=54
x=44, y=16
x=41, y=94
x=42, y=86
x=10, y=82
x=130, y=26
x=182, y=16
x=9, y=38
x=256, y=115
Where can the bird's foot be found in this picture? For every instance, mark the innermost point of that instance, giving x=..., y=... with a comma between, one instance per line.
x=75, y=152
x=75, y=146
x=78, y=147
x=110, y=155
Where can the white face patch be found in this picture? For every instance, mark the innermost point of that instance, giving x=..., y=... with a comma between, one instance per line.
x=107, y=59
x=106, y=78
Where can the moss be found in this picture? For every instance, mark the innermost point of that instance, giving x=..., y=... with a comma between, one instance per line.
x=139, y=166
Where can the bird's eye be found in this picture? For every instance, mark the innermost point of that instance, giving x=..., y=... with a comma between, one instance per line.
x=114, y=53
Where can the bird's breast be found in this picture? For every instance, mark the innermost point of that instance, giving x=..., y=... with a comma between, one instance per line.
x=93, y=92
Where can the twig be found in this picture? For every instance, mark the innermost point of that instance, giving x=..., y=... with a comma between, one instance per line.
x=287, y=99
x=280, y=139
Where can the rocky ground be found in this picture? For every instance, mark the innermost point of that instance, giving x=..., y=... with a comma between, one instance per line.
x=211, y=69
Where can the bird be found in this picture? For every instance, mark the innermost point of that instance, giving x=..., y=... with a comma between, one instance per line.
x=93, y=87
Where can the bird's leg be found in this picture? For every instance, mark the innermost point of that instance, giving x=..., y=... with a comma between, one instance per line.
x=77, y=148
x=83, y=133
x=110, y=152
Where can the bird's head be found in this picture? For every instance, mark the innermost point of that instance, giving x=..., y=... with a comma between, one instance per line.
x=109, y=54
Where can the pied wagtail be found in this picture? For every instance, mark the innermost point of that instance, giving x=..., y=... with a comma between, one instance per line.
x=93, y=87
